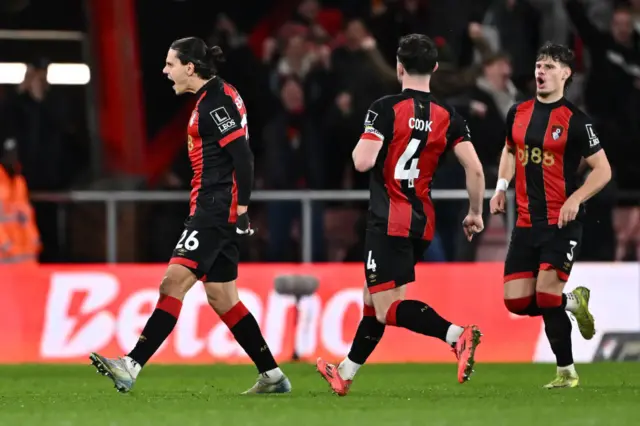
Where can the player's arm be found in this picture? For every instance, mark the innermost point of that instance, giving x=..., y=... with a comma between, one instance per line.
x=377, y=125
x=365, y=153
x=468, y=158
x=230, y=129
x=459, y=137
x=242, y=157
x=595, y=158
x=506, y=168
x=598, y=178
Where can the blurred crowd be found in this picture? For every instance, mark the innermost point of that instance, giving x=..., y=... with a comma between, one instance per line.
x=309, y=82
x=37, y=153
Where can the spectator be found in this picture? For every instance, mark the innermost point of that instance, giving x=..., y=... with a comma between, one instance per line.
x=294, y=158
x=323, y=24
x=517, y=22
x=37, y=117
x=490, y=101
x=612, y=89
x=359, y=77
x=554, y=23
x=393, y=19
x=635, y=14
x=19, y=237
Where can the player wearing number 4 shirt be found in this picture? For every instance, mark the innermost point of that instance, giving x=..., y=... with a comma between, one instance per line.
x=404, y=137
x=207, y=250
x=546, y=139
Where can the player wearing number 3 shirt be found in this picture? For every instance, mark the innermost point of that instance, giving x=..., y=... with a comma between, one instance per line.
x=547, y=137
x=404, y=137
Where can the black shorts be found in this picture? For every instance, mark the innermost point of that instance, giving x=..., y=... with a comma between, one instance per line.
x=542, y=248
x=211, y=253
x=389, y=262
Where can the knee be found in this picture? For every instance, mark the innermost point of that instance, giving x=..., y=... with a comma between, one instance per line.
x=386, y=313
x=170, y=286
x=377, y=311
x=519, y=305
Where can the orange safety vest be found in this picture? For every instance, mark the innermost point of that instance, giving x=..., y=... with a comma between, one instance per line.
x=19, y=236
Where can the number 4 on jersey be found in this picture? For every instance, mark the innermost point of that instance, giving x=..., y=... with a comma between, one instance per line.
x=412, y=173
x=371, y=263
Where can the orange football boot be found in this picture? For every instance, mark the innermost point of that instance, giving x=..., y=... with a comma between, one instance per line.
x=465, y=350
x=329, y=372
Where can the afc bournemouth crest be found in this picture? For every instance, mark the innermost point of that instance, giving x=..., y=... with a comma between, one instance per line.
x=556, y=132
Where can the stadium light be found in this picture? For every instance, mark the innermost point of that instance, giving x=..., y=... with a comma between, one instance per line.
x=57, y=73
x=12, y=72
x=68, y=74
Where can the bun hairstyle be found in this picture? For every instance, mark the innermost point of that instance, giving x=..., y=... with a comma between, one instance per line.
x=215, y=55
x=205, y=59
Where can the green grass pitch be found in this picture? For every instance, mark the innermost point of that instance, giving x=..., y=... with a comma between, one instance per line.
x=390, y=395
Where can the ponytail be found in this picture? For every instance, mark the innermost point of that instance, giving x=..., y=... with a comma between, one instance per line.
x=215, y=55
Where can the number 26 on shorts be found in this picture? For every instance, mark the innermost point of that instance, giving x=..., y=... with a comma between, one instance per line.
x=371, y=263
x=190, y=243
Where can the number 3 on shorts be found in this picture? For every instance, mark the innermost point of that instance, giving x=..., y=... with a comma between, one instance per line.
x=371, y=263
x=570, y=254
x=191, y=243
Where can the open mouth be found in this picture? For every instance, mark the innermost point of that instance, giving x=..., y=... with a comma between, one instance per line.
x=540, y=81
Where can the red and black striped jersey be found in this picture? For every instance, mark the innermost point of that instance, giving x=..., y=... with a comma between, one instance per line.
x=218, y=118
x=548, y=141
x=415, y=130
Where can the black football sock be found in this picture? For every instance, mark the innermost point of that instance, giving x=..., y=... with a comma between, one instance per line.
x=368, y=335
x=418, y=317
x=157, y=329
x=246, y=330
x=557, y=326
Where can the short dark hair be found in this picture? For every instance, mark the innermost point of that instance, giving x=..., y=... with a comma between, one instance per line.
x=205, y=59
x=418, y=54
x=558, y=53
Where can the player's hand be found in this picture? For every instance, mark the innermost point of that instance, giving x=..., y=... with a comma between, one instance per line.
x=472, y=224
x=498, y=202
x=243, y=225
x=568, y=212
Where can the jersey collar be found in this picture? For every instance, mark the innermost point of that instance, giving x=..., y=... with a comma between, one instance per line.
x=208, y=85
x=552, y=105
x=417, y=93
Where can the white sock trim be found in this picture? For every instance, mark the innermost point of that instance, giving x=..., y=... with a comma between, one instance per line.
x=571, y=369
x=453, y=334
x=133, y=366
x=273, y=375
x=348, y=369
x=572, y=302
